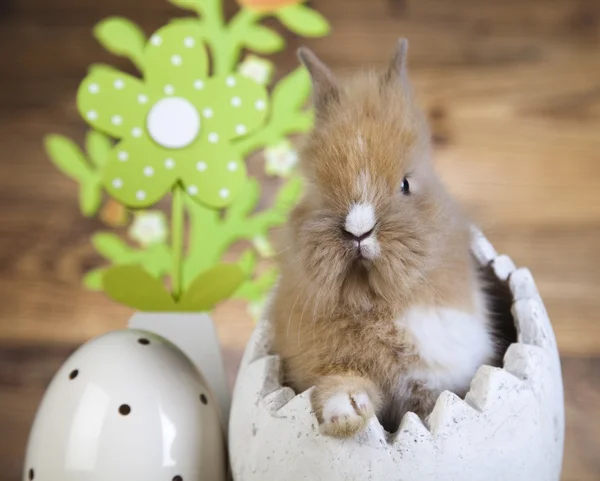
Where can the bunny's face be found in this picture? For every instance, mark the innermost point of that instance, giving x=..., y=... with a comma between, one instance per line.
x=374, y=210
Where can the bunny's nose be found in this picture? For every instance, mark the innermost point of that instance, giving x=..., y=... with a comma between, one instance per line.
x=360, y=222
x=358, y=238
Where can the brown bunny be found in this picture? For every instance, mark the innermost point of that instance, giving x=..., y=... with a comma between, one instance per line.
x=379, y=304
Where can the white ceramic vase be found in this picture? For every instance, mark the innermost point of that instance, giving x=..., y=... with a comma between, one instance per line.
x=147, y=403
x=510, y=426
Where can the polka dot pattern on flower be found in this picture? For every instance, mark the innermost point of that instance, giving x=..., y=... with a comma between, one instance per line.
x=143, y=179
x=217, y=167
x=110, y=101
x=230, y=105
x=180, y=61
x=176, y=70
x=123, y=156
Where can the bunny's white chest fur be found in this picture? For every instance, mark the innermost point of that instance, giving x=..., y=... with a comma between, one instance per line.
x=451, y=344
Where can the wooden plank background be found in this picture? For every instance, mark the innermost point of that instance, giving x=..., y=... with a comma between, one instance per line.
x=512, y=89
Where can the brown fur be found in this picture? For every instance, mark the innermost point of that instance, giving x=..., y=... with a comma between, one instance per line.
x=333, y=316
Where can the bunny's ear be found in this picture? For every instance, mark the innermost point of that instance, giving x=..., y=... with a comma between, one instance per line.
x=397, y=70
x=325, y=86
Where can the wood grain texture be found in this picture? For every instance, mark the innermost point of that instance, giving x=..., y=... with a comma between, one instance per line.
x=512, y=90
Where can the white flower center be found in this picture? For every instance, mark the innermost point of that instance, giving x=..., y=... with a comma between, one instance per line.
x=173, y=123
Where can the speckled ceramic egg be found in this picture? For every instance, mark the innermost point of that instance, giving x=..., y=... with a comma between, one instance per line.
x=130, y=406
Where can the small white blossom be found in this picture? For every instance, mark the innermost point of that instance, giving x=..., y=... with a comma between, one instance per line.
x=256, y=68
x=149, y=227
x=280, y=159
x=263, y=246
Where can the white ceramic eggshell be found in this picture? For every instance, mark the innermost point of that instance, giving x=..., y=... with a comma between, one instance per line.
x=510, y=426
x=80, y=434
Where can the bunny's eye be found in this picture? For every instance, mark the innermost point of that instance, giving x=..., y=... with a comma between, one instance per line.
x=405, y=186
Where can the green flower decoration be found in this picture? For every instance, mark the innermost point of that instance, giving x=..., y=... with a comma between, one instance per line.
x=184, y=128
x=174, y=126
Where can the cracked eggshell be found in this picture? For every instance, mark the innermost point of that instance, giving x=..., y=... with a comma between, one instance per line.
x=509, y=427
x=128, y=405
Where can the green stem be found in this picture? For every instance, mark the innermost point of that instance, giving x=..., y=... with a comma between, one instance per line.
x=236, y=30
x=225, y=41
x=177, y=215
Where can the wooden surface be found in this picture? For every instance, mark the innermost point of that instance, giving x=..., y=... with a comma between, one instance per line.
x=512, y=89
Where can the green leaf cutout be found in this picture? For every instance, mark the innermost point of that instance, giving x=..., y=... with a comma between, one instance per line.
x=156, y=259
x=255, y=289
x=247, y=261
x=134, y=287
x=67, y=157
x=288, y=195
x=212, y=287
x=122, y=37
x=191, y=4
x=291, y=93
x=111, y=247
x=246, y=201
x=90, y=197
x=303, y=21
x=263, y=40
x=98, y=147
x=93, y=279
x=192, y=23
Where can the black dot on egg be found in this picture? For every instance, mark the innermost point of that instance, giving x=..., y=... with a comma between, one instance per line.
x=203, y=399
x=31, y=474
x=143, y=341
x=124, y=409
x=177, y=478
x=73, y=374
